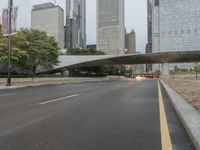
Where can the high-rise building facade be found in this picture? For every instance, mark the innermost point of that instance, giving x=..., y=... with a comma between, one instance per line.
x=149, y=27
x=175, y=26
x=155, y=26
x=49, y=18
x=149, y=32
x=156, y=31
x=130, y=42
x=75, y=24
x=110, y=26
x=179, y=25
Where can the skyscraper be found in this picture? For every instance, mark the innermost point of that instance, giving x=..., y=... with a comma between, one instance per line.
x=179, y=25
x=75, y=24
x=155, y=26
x=149, y=27
x=130, y=43
x=110, y=26
x=149, y=32
x=49, y=18
x=175, y=26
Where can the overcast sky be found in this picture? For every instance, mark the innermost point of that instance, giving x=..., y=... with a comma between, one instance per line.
x=135, y=17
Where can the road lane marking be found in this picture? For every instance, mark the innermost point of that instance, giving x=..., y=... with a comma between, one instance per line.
x=59, y=99
x=121, y=86
x=165, y=135
x=3, y=95
x=115, y=86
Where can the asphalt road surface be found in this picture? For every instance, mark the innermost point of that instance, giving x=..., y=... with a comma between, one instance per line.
x=117, y=115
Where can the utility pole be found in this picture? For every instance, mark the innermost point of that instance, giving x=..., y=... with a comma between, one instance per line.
x=196, y=70
x=10, y=7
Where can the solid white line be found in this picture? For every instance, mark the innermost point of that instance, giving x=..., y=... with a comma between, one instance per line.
x=59, y=99
x=3, y=95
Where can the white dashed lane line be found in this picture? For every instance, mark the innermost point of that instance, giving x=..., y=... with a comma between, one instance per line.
x=59, y=99
x=10, y=94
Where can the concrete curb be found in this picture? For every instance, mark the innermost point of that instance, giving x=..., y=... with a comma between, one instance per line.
x=188, y=115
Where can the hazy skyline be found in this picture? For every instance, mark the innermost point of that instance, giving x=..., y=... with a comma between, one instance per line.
x=135, y=17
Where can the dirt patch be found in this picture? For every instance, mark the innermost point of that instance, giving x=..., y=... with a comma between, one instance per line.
x=188, y=87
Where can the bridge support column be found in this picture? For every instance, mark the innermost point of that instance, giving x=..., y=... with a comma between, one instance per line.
x=165, y=70
x=65, y=73
x=157, y=68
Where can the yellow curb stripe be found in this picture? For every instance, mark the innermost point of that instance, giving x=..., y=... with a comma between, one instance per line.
x=165, y=136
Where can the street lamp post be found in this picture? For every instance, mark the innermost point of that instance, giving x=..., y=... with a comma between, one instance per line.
x=10, y=6
x=196, y=68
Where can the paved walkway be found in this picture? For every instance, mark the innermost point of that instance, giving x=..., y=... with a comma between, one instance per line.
x=26, y=82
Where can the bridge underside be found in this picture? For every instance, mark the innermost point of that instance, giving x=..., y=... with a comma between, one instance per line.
x=151, y=58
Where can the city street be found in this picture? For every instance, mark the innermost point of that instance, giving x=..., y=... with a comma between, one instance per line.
x=116, y=115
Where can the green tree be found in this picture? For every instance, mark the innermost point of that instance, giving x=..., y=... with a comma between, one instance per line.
x=199, y=68
x=114, y=69
x=78, y=51
x=3, y=47
x=17, y=54
x=41, y=49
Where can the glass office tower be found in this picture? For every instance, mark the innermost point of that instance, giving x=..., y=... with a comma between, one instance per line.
x=110, y=26
x=75, y=24
x=179, y=25
x=175, y=27
x=149, y=33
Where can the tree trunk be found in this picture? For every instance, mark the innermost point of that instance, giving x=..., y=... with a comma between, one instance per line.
x=33, y=71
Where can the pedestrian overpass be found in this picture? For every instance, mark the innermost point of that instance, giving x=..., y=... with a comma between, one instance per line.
x=78, y=61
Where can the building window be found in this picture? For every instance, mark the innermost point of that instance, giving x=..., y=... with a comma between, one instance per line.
x=195, y=30
x=189, y=31
x=182, y=31
x=156, y=2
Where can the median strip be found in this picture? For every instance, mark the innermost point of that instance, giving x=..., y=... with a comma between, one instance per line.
x=59, y=99
x=165, y=136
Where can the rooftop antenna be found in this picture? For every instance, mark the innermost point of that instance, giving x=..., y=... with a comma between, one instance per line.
x=55, y=2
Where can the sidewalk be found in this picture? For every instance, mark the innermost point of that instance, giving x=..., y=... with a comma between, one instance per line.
x=189, y=116
x=29, y=82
